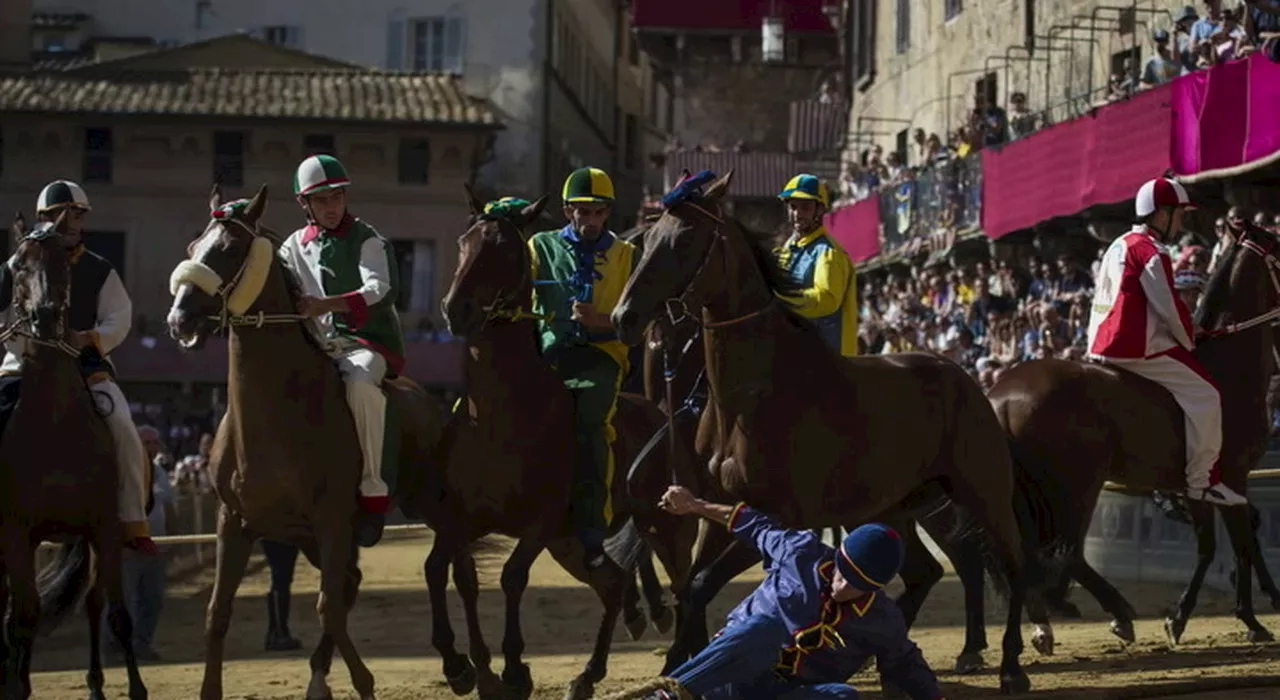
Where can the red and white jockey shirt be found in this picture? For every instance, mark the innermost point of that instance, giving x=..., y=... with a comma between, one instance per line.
x=1136, y=312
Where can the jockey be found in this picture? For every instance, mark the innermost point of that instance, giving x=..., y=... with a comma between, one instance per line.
x=819, y=266
x=1139, y=323
x=100, y=315
x=579, y=273
x=349, y=281
x=813, y=622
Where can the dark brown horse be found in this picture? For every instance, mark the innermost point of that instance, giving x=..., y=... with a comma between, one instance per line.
x=286, y=458
x=816, y=439
x=58, y=477
x=509, y=467
x=1074, y=426
x=674, y=370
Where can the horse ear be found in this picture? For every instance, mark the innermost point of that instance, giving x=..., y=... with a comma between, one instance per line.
x=718, y=187
x=531, y=213
x=257, y=206
x=215, y=197
x=477, y=206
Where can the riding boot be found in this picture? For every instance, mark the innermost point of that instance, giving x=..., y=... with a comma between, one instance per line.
x=369, y=528
x=278, y=637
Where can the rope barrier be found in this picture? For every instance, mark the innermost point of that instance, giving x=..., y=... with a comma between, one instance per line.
x=1255, y=475
x=212, y=537
x=642, y=691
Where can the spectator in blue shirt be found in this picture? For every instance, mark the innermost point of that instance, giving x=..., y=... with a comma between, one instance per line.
x=814, y=621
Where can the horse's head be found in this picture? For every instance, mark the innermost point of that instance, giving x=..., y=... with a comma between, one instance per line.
x=41, y=270
x=673, y=267
x=1244, y=286
x=494, y=274
x=225, y=270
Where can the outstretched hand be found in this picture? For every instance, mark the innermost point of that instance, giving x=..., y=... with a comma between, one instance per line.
x=678, y=500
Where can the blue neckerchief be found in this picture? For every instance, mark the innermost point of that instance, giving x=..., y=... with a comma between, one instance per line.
x=585, y=254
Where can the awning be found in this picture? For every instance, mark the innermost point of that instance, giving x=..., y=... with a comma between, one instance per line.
x=857, y=228
x=1227, y=119
x=1100, y=158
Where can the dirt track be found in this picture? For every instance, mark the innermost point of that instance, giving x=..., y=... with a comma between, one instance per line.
x=392, y=628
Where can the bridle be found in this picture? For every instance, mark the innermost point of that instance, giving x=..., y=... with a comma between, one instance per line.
x=1273, y=271
x=508, y=307
x=16, y=329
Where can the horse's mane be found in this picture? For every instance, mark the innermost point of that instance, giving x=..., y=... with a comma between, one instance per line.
x=1217, y=291
x=776, y=278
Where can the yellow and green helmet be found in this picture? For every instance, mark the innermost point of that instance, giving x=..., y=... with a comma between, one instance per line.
x=587, y=185
x=806, y=186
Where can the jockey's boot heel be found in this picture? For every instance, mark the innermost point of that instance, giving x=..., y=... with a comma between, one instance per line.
x=278, y=636
x=369, y=528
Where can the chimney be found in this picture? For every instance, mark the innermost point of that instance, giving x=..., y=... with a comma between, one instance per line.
x=15, y=34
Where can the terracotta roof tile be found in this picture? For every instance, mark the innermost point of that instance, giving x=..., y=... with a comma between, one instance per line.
x=342, y=95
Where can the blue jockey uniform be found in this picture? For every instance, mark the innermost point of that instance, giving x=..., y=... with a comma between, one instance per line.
x=790, y=640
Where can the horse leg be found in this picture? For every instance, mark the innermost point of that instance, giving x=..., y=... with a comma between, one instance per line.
x=1244, y=546
x=732, y=557
x=1175, y=623
x=109, y=579
x=20, y=564
x=1111, y=600
x=234, y=545
x=920, y=573
x=674, y=548
x=321, y=661
x=660, y=615
x=608, y=581
x=467, y=582
x=337, y=554
x=458, y=671
x=1265, y=582
x=93, y=611
x=515, y=579
x=632, y=617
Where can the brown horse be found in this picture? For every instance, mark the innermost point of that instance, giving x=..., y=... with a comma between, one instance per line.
x=59, y=476
x=816, y=439
x=509, y=467
x=1075, y=425
x=286, y=459
x=674, y=370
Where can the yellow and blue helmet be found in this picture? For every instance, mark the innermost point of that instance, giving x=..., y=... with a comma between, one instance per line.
x=806, y=186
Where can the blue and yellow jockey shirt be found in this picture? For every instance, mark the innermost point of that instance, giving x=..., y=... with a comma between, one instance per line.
x=830, y=297
x=568, y=269
x=829, y=641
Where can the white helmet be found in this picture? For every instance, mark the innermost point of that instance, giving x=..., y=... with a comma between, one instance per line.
x=320, y=172
x=60, y=194
x=1160, y=192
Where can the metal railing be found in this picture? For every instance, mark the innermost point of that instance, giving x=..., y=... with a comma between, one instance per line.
x=945, y=196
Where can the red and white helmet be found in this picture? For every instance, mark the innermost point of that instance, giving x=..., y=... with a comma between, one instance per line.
x=1160, y=192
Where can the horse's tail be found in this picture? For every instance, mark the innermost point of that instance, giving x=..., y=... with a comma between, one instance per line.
x=626, y=546
x=64, y=583
x=1048, y=515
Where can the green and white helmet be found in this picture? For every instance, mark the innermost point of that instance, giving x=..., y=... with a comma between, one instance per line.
x=318, y=173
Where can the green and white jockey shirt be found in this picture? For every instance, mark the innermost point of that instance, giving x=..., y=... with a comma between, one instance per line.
x=355, y=263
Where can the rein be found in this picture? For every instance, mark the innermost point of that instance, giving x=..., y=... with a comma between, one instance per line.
x=15, y=330
x=1273, y=265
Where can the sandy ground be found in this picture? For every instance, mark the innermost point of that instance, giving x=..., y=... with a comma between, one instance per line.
x=392, y=629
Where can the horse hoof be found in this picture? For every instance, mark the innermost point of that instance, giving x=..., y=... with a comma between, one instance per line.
x=969, y=662
x=461, y=676
x=1260, y=636
x=889, y=691
x=1014, y=683
x=635, y=627
x=97, y=695
x=1173, y=629
x=489, y=687
x=1043, y=642
x=667, y=619
x=579, y=689
x=518, y=681
x=1123, y=630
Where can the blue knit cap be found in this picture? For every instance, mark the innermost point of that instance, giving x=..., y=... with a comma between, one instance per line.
x=870, y=556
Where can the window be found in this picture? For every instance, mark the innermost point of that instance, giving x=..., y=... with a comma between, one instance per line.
x=415, y=161
x=283, y=35
x=2, y=166
x=317, y=144
x=862, y=43
x=436, y=44
x=988, y=87
x=97, y=155
x=631, y=142
x=952, y=8
x=110, y=245
x=415, y=263
x=53, y=42
x=904, y=26
x=203, y=9
x=228, y=157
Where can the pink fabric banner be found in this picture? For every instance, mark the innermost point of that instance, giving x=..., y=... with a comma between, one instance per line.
x=1227, y=116
x=857, y=228
x=1099, y=158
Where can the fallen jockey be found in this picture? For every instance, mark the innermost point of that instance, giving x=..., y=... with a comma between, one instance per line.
x=348, y=276
x=814, y=621
x=100, y=316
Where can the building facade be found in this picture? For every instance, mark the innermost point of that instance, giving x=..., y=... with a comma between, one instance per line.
x=147, y=136
x=561, y=74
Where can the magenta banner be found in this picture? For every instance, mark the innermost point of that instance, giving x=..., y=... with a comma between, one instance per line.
x=1226, y=117
x=857, y=228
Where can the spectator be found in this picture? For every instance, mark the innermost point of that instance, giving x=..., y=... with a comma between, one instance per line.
x=1022, y=121
x=1182, y=23
x=1205, y=28
x=991, y=123
x=1189, y=285
x=1262, y=26
x=1162, y=67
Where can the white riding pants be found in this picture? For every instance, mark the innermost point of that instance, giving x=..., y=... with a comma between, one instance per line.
x=131, y=457
x=1180, y=373
x=363, y=371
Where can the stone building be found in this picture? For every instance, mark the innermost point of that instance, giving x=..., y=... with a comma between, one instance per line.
x=147, y=135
